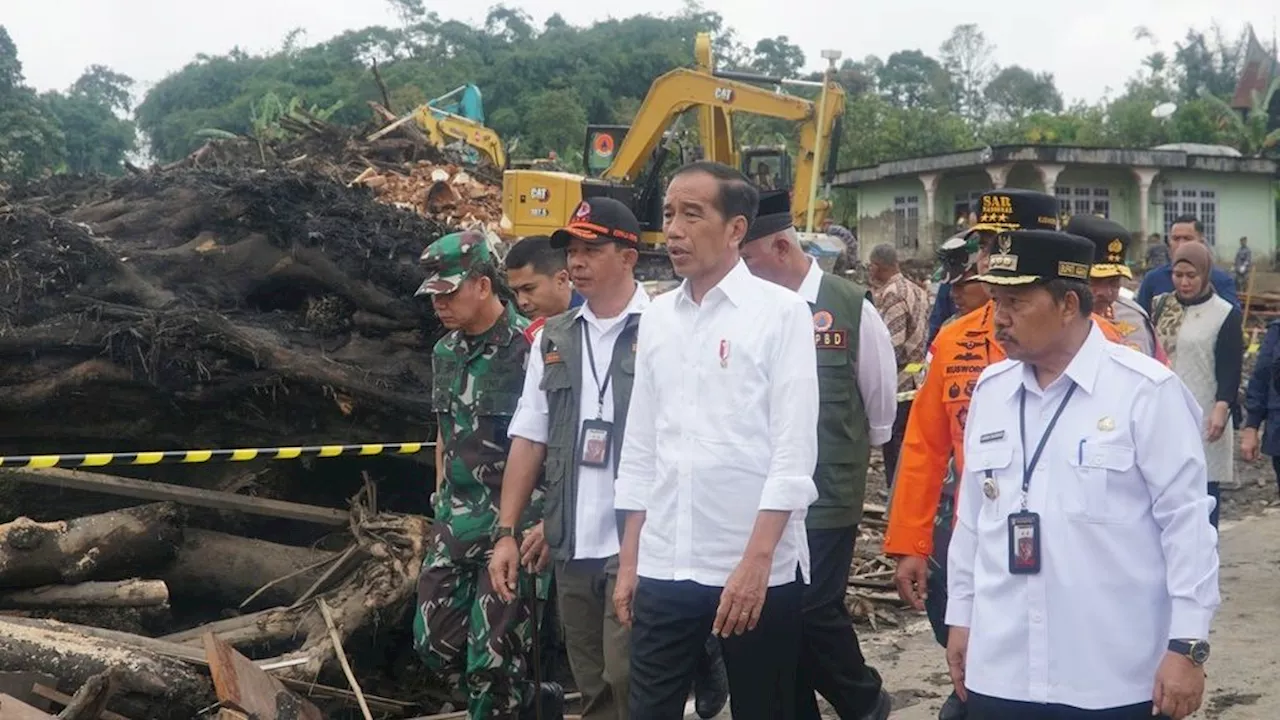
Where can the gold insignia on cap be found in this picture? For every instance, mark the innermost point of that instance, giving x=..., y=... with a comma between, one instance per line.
x=1005, y=242
x=1004, y=262
x=1076, y=270
x=1115, y=246
x=1106, y=424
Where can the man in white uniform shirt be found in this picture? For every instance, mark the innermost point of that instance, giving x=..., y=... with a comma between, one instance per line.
x=1083, y=572
x=717, y=464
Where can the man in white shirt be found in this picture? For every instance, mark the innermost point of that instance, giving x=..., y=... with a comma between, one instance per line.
x=572, y=417
x=717, y=464
x=857, y=383
x=1083, y=572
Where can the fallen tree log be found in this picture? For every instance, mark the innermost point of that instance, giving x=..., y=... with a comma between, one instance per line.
x=226, y=569
x=124, y=593
x=110, y=546
x=151, y=685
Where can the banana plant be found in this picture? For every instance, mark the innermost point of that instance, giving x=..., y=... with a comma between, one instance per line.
x=1248, y=131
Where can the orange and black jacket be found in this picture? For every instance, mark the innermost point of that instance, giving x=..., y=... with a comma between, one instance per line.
x=959, y=353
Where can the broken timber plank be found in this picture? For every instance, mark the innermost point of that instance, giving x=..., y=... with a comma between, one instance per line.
x=241, y=686
x=123, y=593
x=12, y=708
x=198, y=497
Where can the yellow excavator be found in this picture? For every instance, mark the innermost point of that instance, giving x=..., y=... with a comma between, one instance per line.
x=628, y=162
x=461, y=122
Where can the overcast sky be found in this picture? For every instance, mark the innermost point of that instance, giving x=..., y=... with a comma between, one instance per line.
x=1087, y=46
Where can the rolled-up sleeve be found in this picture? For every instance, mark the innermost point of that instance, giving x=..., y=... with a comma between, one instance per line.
x=1165, y=416
x=793, y=412
x=877, y=374
x=531, y=418
x=637, y=468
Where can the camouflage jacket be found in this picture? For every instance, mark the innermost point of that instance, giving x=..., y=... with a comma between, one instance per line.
x=476, y=383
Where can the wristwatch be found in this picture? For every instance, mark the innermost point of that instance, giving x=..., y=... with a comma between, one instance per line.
x=1197, y=651
x=501, y=531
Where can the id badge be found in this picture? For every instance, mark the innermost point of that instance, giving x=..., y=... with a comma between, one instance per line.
x=595, y=444
x=1024, y=543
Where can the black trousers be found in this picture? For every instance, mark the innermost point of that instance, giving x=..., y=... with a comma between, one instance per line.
x=1215, y=492
x=831, y=660
x=983, y=707
x=669, y=628
x=893, y=448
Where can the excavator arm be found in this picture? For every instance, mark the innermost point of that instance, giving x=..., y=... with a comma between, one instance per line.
x=477, y=136
x=717, y=98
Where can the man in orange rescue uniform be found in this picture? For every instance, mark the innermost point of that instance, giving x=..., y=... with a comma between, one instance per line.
x=959, y=353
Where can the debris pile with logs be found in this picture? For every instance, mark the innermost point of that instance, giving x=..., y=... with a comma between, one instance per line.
x=249, y=296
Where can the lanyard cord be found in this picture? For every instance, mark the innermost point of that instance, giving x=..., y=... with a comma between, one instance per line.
x=1028, y=468
x=591, y=358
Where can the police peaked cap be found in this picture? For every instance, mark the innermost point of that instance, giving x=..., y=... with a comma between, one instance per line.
x=1111, y=244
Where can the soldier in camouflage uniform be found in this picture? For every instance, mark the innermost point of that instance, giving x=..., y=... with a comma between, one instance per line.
x=462, y=628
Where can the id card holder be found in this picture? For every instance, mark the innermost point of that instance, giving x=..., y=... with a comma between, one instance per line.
x=595, y=444
x=1024, y=543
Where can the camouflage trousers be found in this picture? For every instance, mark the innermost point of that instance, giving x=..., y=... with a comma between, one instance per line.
x=465, y=632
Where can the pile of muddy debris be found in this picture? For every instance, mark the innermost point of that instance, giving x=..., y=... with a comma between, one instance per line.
x=249, y=296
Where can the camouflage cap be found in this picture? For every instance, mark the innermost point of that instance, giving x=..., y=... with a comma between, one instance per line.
x=958, y=257
x=450, y=259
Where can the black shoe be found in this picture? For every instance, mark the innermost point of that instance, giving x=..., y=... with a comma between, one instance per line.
x=710, y=682
x=953, y=709
x=884, y=704
x=545, y=703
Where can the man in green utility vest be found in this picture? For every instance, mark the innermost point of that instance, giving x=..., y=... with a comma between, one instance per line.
x=857, y=385
x=571, y=419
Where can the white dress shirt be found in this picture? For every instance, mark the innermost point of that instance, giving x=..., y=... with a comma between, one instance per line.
x=1128, y=558
x=723, y=424
x=877, y=365
x=595, y=522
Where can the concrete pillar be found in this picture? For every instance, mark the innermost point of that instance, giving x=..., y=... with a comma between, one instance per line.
x=1049, y=176
x=928, y=239
x=1145, y=177
x=998, y=174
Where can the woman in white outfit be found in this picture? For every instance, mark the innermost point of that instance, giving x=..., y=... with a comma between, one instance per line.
x=1204, y=338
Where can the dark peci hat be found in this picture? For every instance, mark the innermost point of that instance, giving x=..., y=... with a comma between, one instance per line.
x=1015, y=209
x=599, y=219
x=1023, y=257
x=1110, y=241
x=773, y=216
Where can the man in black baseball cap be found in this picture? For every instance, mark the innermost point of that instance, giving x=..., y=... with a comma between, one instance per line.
x=600, y=219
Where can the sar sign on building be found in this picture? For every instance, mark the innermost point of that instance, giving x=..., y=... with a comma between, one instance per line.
x=918, y=202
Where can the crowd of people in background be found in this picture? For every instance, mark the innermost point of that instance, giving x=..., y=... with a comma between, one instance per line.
x=670, y=487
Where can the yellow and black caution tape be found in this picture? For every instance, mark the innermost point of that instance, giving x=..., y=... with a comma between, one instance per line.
x=172, y=457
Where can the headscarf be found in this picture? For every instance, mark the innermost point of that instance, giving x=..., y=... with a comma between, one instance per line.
x=1198, y=256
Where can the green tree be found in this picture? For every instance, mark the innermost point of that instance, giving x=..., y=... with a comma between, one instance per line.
x=966, y=56
x=777, y=57
x=912, y=79
x=31, y=142
x=1016, y=92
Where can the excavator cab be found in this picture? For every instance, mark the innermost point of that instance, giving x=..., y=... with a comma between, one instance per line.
x=768, y=167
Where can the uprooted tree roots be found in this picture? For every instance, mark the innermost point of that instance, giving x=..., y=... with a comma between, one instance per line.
x=214, y=307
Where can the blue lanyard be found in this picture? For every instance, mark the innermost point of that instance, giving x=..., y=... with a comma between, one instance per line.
x=1028, y=468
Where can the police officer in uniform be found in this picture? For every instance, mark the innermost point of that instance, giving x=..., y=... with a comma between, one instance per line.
x=960, y=351
x=1111, y=246
x=857, y=384
x=1083, y=572
x=462, y=627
